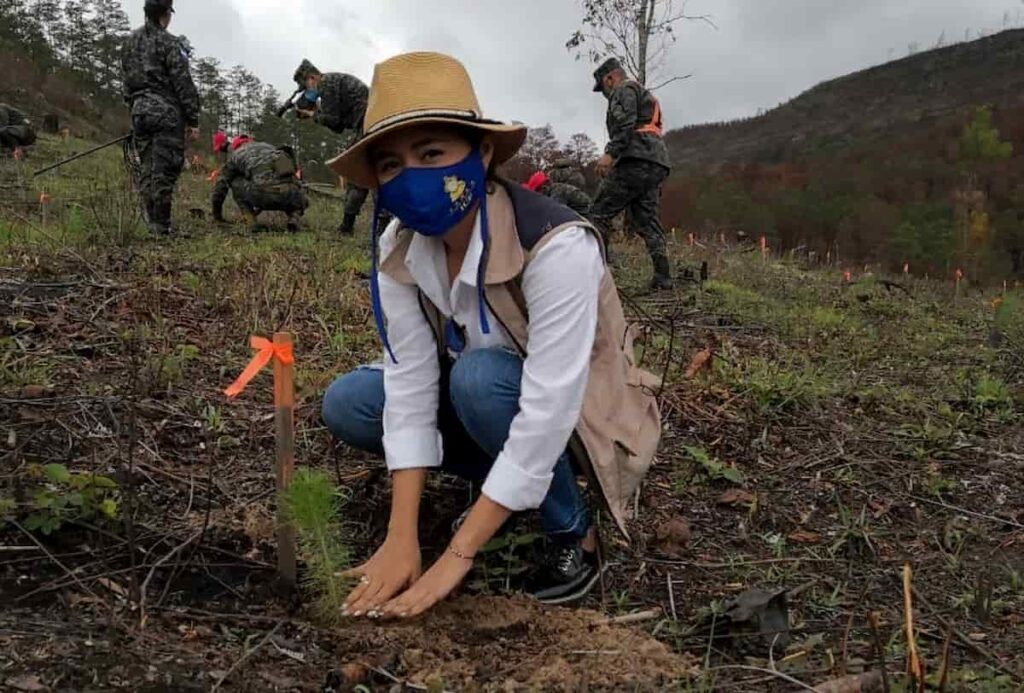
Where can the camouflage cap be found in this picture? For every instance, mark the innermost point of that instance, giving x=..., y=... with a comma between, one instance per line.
x=305, y=70
x=164, y=5
x=607, y=67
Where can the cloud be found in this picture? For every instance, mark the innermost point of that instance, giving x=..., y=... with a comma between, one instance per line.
x=763, y=53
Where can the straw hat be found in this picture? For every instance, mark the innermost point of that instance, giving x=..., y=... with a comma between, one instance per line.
x=419, y=88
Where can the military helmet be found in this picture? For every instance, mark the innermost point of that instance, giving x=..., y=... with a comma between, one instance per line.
x=163, y=5
x=305, y=70
x=607, y=67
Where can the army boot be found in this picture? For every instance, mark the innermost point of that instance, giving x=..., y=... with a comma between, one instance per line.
x=293, y=223
x=662, y=273
x=249, y=217
x=348, y=225
x=160, y=218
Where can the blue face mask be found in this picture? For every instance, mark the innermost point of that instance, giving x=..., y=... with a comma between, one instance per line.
x=431, y=201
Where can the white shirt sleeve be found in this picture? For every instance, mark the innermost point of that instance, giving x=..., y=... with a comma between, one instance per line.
x=561, y=286
x=412, y=386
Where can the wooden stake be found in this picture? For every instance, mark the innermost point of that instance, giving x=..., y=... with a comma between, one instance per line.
x=284, y=424
x=914, y=666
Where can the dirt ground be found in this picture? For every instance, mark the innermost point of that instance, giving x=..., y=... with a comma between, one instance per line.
x=831, y=435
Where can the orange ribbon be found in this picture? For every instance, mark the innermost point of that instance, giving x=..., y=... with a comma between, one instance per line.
x=959, y=275
x=266, y=350
x=213, y=175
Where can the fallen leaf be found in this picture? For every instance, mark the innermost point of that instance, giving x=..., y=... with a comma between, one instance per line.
x=699, y=362
x=114, y=587
x=977, y=637
x=355, y=673
x=33, y=391
x=802, y=536
x=868, y=682
x=737, y=496
x=25, y=683
x=673, y=537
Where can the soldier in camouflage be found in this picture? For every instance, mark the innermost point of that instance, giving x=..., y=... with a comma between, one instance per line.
x=262, y=179
x=164, y=106
x=568, y=195
x=15, y=129
x=634, y=165
x=341, y=107
x=566, y=184
x=565, y=171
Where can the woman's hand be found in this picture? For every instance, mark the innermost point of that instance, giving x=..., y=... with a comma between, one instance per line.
x=396, y=565
x=438, y=582
x=484, y=520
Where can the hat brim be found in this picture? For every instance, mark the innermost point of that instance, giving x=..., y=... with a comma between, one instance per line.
x=598, y=86
x=354, y=164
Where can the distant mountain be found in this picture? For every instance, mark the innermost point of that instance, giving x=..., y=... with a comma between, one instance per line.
x=904, y=96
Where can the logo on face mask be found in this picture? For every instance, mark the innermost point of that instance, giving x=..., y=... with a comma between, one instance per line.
x=432, y=200
x=456, y=189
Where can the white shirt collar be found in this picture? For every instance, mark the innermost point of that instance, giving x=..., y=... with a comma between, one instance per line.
x=428, y=265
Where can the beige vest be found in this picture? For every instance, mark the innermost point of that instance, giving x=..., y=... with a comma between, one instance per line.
x=620, y=425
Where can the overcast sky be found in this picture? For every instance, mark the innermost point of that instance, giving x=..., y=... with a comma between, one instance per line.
x=762, y=53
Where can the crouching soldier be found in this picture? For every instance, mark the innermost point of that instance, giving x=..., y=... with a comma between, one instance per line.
x=564, y=193
x=262, y=179
x=15, y=129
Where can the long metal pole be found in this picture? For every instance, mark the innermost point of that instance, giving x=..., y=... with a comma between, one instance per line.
x=76, y=157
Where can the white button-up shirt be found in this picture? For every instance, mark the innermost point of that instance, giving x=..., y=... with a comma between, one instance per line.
x=560, y=285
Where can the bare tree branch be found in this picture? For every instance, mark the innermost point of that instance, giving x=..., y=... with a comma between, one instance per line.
x=669, y=81
x=640, y=32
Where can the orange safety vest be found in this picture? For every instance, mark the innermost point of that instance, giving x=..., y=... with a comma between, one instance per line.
x=654, y=127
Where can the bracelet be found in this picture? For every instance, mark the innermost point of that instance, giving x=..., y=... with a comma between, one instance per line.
x=458, y=554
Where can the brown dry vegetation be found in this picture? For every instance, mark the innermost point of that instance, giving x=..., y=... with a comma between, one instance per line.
x=831, y=434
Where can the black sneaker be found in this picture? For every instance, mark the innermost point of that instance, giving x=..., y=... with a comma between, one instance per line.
x=567, y=574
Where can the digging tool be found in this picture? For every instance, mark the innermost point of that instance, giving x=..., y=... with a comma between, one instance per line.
x=87, y=152
x=303, y=99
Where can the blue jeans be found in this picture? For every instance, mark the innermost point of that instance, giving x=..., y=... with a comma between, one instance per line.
x=479, y=399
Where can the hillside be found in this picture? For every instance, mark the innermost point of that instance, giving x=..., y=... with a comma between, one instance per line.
x=818, y=434
x=887, y=100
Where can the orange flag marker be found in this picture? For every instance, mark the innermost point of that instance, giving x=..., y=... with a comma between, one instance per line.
x=213, y=175
x=281, y=353
x=906, y=268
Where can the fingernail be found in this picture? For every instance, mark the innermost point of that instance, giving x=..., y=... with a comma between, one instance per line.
x=358, y=614
x=344, y=611
x=404, y=614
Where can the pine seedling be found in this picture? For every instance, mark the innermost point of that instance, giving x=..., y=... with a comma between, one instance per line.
x=312, y=503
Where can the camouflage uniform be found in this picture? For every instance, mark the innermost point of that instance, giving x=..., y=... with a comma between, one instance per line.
x=566, y=184
x=569, y=195
x=342, y=107
x=262, y=179
x=15, y=130
x=641, y=166
x=566, y=171
x=163, y=99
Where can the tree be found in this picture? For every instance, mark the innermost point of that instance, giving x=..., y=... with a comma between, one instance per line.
x=581, y=149
x=541, y=148
x=640, y=32
x=108, y=27
x=981, y=142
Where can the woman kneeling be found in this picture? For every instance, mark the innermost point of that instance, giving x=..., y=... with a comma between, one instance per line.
x=507, y=356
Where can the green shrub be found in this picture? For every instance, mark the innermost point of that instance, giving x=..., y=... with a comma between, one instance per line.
x=58, y=496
